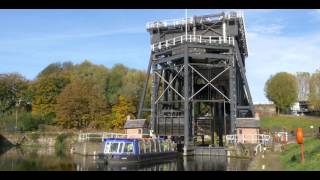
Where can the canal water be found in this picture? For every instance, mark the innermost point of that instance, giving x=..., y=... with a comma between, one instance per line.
x=44, y=159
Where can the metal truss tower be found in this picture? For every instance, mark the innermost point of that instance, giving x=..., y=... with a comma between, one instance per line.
x=199, y=84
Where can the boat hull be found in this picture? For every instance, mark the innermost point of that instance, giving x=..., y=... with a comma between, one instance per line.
x=132, y=158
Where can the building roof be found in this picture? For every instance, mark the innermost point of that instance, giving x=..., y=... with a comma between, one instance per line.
x=247, y=123
x=135, y=123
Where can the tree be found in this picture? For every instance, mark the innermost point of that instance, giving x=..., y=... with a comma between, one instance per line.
x=121, y=110
x=56, y=68
x=80, y=104
x=13, y=89
x=115, y=82
x=45, y=90
x=282, y=90
x=132, y=86
x=87, y=71
x=314, y=96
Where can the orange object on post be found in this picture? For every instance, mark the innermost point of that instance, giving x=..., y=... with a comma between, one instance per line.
x=299, y=136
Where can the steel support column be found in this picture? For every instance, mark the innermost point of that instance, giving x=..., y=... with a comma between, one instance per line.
x=186, y=101
x=232, y=95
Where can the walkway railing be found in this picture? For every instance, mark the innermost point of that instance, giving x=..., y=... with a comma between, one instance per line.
x=102, y=135
x=248, y=139
x=192, y=38
x=170, y=22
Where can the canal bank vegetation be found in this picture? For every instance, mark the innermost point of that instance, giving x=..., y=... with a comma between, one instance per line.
x=290, y=158
x=291, y=123
x=81, y=96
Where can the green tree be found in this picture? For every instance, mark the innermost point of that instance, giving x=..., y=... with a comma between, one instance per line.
x=132, y=86
x=87, y=71
x=115, y=82
x=13, y=89
x=314, y=96
x=282, y=89
x=56, y=68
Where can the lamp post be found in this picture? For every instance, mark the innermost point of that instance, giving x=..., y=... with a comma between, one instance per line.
x=17, y=106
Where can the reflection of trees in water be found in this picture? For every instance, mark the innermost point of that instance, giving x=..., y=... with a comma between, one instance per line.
x=25, y=159
x=196, y=163
x=5, y=145
x=37, y=159
x=238, y=164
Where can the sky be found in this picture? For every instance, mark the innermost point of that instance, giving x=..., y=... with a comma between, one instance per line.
x=278, y=40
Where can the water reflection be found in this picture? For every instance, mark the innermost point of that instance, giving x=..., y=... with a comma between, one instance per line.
x=40, y=159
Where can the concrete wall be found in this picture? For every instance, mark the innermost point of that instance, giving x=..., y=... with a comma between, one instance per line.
x=265, y=109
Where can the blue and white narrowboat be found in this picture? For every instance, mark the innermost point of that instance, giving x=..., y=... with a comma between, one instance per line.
x=125, y=150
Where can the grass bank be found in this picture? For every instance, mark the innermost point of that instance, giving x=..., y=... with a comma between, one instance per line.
x=291, y=123
x=290, y=158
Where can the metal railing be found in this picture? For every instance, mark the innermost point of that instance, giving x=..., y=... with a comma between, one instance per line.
x=170, y=22
x=192, y=38
x=248, y=138
x=102, y=135
x=190, y=20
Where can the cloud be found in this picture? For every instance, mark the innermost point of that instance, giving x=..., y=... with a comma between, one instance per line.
x=270, y=53
x=267, y=29
x=66, y=36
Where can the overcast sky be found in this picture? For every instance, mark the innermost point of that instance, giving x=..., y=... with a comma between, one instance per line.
x=278, y=40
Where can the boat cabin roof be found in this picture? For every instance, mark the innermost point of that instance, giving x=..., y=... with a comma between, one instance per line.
x=119, y=140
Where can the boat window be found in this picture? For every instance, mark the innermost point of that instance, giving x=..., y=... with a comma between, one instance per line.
x=141, y=147
x=114, y=147
x=120, y=147
x=128, y=148
x=157, y=146
x=107, y=148
x=152, y=146
x=148, y=146
x=161, y=146
x=165, y=146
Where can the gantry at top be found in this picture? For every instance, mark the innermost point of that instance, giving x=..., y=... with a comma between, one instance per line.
x=177, y=26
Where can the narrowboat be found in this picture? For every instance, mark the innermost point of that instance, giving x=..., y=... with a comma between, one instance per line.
x=125, y=150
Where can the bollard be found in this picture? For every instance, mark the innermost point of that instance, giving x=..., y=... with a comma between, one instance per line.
x=300, y=141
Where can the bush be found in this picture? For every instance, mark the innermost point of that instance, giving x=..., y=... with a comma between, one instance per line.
x=29, y=122
x=60, y=144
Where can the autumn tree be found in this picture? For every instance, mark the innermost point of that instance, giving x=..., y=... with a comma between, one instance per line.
x=121, y=110
x=314, y=96
x=282, y=90
x=45, y=92
x=80, y=104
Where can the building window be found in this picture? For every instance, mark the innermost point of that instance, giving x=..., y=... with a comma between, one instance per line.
x=240, y=131
x=140, y=131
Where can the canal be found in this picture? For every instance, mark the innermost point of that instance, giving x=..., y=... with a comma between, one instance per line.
x=45, y=159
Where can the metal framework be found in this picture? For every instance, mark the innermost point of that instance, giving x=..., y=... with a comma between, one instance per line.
x=199, y=86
